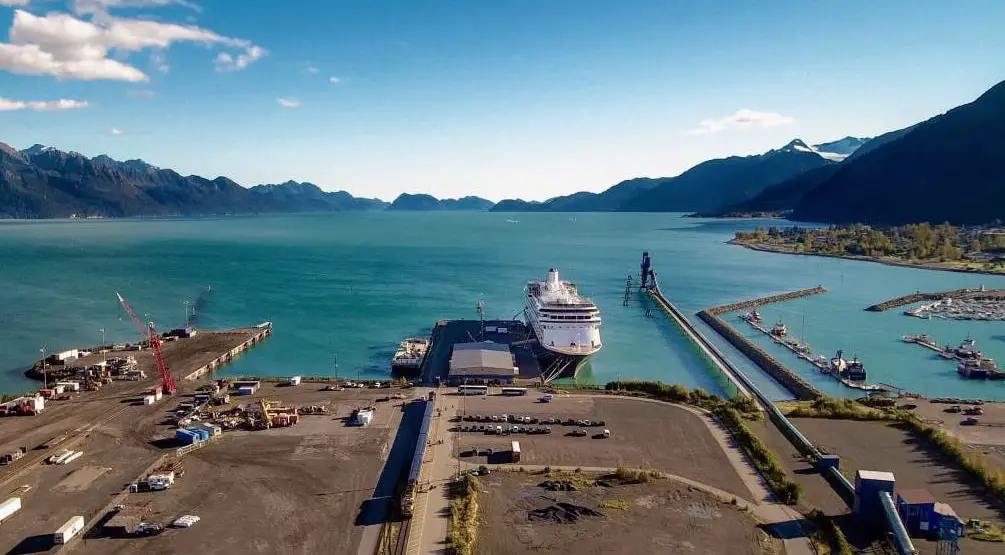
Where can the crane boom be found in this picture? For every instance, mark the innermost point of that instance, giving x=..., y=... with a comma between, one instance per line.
x=154, y=340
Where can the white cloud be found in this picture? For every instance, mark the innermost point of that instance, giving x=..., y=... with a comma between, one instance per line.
x=82, y=7
x=14, y=2
x=312, y=69
x=742, y=119
x=333, y=80
x=65, y=47
x=41, y=105
x=288, y=102
x=158, y=62
x=140, y=93
x=226, y=62
x=116, y=131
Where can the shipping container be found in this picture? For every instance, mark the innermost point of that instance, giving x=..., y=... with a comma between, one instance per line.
x=246, y=391
x=58, y=388
x=73, y=456
x=158, y=396
x=37, y=403
x=47, y=393
x=67, y=531
x=203, y=435
x=255, y=385
x=515, y=448
x=149, y=400
x=9, y=507
x=186, y=436
x=295, y=380
x=69, y=386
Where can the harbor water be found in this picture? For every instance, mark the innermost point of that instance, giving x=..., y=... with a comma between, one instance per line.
x=355, y=284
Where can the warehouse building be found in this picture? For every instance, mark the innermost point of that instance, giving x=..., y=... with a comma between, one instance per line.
x=482, y=362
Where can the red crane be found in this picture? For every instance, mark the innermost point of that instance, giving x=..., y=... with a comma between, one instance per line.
x=154, y=340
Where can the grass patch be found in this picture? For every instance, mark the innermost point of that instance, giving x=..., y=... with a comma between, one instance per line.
x=830, y=534
x=844, y=409
x=617, y=504
x=627, y=475
x=767, y=464
x=463, y=516
x=680, y=394
x=988, y=533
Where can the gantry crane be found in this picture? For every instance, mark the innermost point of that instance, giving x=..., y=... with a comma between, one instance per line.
x=150, y=332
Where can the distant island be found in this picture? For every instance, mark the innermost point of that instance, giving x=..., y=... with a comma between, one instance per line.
x=941, y=247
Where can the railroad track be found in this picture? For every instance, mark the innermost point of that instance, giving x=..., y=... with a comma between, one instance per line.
x=401, y=546
x=31, y=460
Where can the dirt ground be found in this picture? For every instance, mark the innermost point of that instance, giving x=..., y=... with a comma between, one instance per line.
x=990, y=429
x=306, y=477
x=889, y=447
x=88, y=407
x=659, y=517
x=643, y=435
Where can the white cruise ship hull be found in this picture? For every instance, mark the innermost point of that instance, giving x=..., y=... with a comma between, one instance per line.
x=566, y=326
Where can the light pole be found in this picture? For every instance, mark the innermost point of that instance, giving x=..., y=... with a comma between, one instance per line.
x=102, y=330
x=335, y=365
x=45, y=379
x=185, y=324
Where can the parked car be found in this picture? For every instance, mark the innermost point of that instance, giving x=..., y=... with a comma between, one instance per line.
x=970, y=421
x=955, y=409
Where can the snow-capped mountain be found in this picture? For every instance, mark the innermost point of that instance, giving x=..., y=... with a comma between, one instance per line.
x=835, y=151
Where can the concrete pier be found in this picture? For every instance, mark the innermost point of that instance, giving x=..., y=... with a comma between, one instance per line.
x=917, y=298
x=262, y=332
x=708, y=351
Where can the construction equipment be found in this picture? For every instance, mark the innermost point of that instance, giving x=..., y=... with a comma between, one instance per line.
x=154, y=341
x=275, y=415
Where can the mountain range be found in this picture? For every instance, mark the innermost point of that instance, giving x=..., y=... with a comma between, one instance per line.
x=947, y=168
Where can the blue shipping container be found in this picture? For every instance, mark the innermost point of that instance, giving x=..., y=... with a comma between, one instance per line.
x=203, y=434
x=186, y=436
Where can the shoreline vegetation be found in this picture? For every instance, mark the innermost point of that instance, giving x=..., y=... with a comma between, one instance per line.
x=974, y=250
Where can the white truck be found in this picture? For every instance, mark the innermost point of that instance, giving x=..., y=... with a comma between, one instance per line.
x=9, y=507
x=67, y=531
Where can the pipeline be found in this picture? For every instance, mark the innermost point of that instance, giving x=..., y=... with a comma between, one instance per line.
x=900, y=537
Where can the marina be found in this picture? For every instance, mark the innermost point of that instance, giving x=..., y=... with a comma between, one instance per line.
x=971, y=362
x=973, y=305
x=850, y=373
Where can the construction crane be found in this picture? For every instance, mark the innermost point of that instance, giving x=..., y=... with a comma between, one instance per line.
x=154, y=340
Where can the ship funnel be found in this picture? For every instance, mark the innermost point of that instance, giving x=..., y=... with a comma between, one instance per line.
x=552, y=279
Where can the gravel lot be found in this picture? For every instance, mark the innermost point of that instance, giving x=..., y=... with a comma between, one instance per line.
x=644, y=435
x=658, y=517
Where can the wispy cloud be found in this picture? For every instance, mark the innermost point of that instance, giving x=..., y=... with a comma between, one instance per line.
x=741, y=119
x=117, y=131
x=140, y=93
x=65, y=47
x=14, y=2
x=7, y=105
x=103, y=6
x=311, y=69
x=288, y=102
x=333, y=80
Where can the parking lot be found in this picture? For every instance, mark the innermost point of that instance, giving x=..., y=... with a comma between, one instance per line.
x=643, y=434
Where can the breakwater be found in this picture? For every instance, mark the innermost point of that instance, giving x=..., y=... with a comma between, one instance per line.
x=717, y=310
x=799, y=387
x=916, y=298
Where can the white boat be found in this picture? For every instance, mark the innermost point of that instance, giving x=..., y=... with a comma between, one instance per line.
x=780, y=330
x=409, y=355
x=566, y=325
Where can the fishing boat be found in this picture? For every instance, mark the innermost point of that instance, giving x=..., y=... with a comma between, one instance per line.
x=779, y=330
x=973, y=369
x=753, y=316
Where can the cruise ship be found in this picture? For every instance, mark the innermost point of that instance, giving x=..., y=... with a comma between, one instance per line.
x=565, y=324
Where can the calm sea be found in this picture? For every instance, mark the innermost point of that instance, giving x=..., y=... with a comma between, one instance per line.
x=350, y=286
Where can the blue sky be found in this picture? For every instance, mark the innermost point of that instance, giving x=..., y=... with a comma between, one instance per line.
x=500, y=98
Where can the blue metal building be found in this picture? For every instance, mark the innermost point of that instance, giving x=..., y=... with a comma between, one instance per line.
x=923, y=515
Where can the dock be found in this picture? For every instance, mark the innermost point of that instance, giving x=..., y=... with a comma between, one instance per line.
x=716, y=311
x=260, y=333
x=435, y=368
x=719, y=363
x=802, y=351
x=917, y=298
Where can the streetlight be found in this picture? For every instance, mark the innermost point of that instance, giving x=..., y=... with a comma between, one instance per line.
x=185, y=324
x=45, y=380
x=102, y=330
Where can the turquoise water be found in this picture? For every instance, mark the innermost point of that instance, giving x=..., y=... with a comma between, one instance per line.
x=355, y=284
